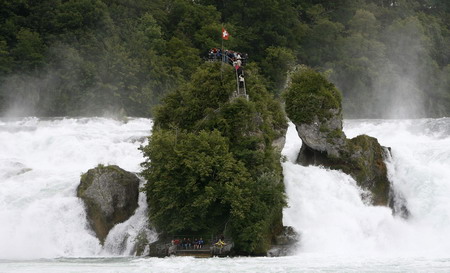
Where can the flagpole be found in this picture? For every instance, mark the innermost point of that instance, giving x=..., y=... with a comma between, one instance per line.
x=221, y=66
x=221, y=37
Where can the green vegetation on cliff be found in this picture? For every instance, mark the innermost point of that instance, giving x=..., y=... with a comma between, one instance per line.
x=311, y=95
x=210, y=165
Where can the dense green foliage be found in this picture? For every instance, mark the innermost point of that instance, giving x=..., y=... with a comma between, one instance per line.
x=79, y=57
x=311, y=95
x=210, y=165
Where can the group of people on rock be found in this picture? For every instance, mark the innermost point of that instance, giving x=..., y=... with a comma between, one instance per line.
x=228, y=56
x=240, y=72
x=236, y=59
x=186, y=243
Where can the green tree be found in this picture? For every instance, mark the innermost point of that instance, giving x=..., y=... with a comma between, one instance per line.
x=276, y=64
x=366, y=45
x=5, y=59
x=359, y=62
x=187, y=178
x=310, y=95
x=364, y=23
x=29, y=50
x=208, y=89
x=202, y=135
x=319, y=45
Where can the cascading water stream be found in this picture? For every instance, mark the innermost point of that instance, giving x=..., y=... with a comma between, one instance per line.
x=326, y=208
x=40, y=166
x=41, y=162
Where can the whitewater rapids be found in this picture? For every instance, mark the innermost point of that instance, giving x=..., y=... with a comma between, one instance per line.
x=43, y=223
x=41, y=161
x=326, y=208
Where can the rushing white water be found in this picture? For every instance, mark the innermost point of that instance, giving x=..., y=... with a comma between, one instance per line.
x=40, y=216
x=40, y=166
x=325, y=205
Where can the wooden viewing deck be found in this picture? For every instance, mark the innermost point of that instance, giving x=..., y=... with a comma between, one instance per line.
x=204, y=252
x=163, y=250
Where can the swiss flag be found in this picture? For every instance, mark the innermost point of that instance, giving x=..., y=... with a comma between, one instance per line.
x=225, y=34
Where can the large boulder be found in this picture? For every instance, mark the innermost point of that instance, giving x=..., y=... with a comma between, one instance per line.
x=361, y=157
x=323, y=135
x=110, y=195
x=314, y=106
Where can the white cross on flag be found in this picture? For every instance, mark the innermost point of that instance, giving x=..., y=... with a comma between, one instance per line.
x=225, y=34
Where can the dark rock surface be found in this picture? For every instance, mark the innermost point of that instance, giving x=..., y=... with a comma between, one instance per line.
x=361, y=157
x=284, y=243
x=314, y=106
x=161, y=249
x=323, y=135
x=110, y=195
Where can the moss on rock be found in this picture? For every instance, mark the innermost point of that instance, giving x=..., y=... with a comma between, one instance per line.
x=367, y=158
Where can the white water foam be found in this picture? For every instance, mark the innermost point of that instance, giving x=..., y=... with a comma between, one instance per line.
x=326, y=208
x=40, y=166
x=41, y=162
x=122, y=237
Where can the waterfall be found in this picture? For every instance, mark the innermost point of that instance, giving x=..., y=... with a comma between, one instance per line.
x=41, y=161
x=326, y=208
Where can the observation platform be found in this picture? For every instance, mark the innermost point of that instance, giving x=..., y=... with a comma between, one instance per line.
x=207, y=251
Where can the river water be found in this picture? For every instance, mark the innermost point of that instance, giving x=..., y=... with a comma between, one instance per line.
x=43, y=226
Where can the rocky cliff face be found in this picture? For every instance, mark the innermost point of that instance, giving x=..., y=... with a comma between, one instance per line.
x=361, y=157
x=323, y=135
x=319, y=125
x=110, y=195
